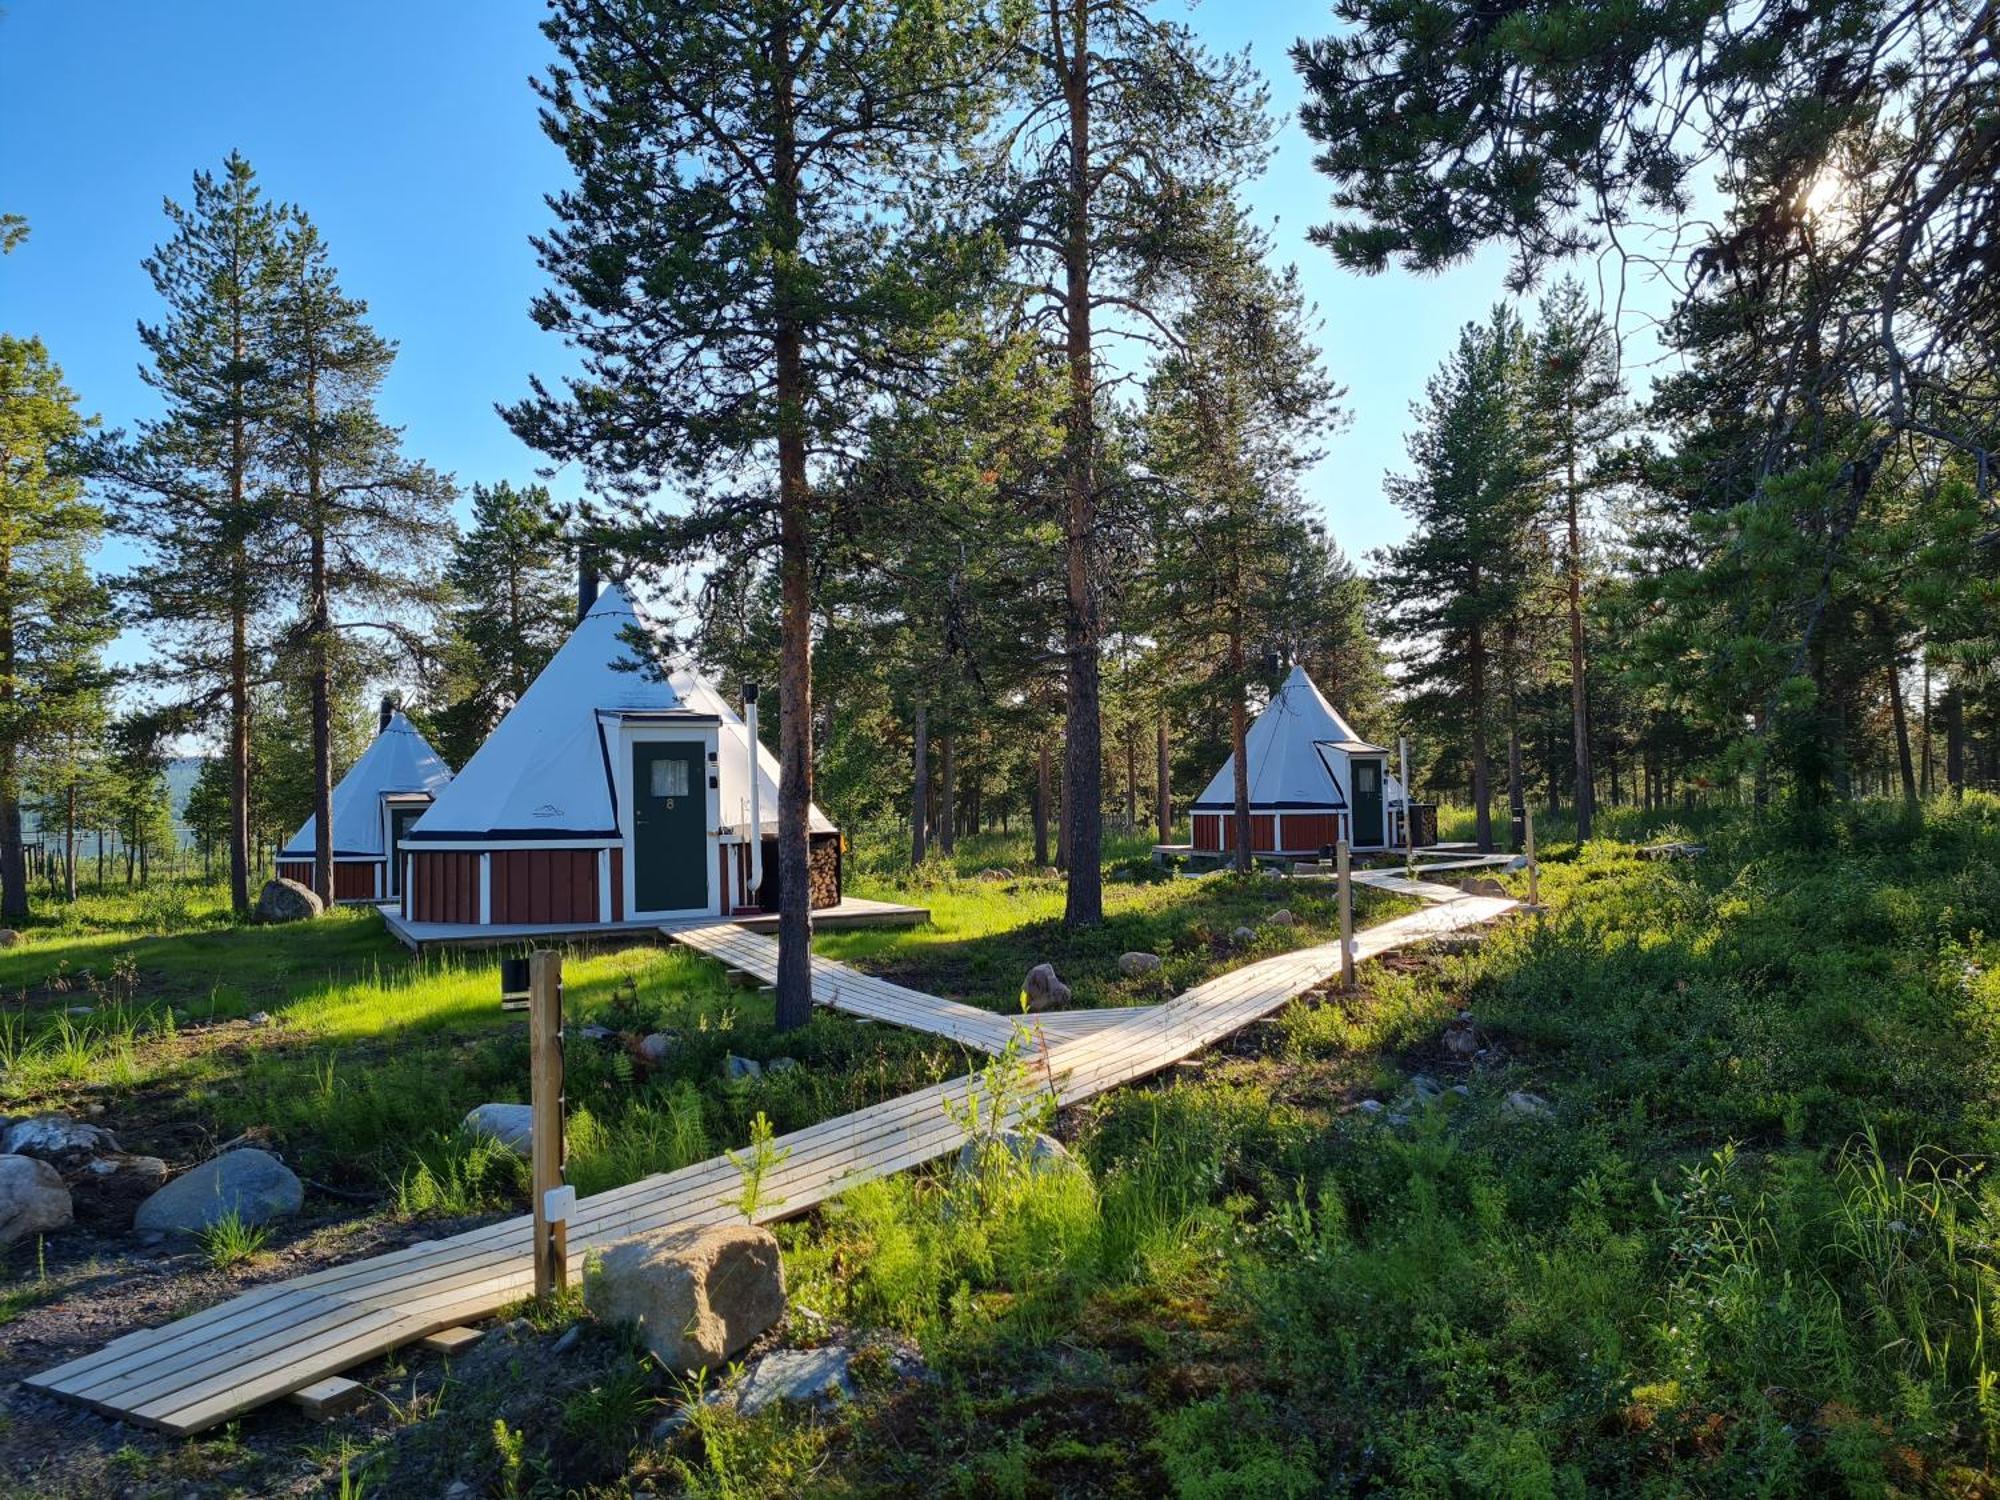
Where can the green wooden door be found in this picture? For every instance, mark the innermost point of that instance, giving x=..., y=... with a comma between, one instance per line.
x=669, y=827
x=400, y=819
x=1367, y=803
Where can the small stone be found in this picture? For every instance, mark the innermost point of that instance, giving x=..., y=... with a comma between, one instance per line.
x=458, y=1489
x=817, y=1376
x=512, y=1125
x=593, y=1033
x=1463, y=1091
x=1461, y=1038
x=741, y=1069
x=33, y=1199
x=1397, y=1118
x=997, y=872
x=1282, y=917
x=79, y=1010
x=781, y=1065
x=572, y=1335
x=1371, y=1106
x=1425, y=1087
x=1484, y=885
x=656, y=1045
x=1038, y=1152
x=1045, y=989
x=9, y=938
x=1522, y=1105
x=1243, y=937
x=62, y=1142
x=1133, y=965
x=254, y=1185
x=259, y=1018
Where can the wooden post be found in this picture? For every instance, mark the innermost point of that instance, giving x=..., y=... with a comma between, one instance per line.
x=1534, y=870
x=545, y=1062
x=1346, y=888
x=1409, y=813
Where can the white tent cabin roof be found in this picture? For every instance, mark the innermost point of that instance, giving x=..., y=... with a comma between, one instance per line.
x=1287, y=746
x=733, y=761
x=545, y=771
x=397, y=760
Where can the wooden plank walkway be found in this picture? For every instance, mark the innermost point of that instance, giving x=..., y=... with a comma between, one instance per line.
x=277, y=1340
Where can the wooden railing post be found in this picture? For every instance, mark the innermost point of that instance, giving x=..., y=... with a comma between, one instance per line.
x=1346, y=888
x=546, y=1151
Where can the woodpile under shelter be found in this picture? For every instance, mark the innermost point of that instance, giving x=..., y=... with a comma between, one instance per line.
x=374, y=805
x=615, y=792
x=1313, y=782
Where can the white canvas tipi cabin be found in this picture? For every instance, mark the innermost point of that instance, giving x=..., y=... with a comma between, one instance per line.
x=1313, y=782
x=610, y=793
x=382, y=794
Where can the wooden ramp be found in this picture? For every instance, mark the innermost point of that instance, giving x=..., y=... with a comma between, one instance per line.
x=213, y=1365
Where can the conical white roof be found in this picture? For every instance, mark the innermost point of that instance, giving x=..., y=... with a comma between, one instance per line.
x=398, y=760
x=545, y=771
x=1293, y=747
x=733, y=760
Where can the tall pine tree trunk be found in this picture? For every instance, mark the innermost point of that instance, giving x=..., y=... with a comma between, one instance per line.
x=1163, y=790
x=239, y=762
x=920, y=783
x=1954, y=741
x=1131, y=780
x=1082, y=811
x=1579, y=689
x=947, y=795
x=1043, y=779
x=69, y=843
x=1924, y=730
x=1239, y=741
x=1904, y=763
x=1482, y=805
x=1517, y=786
x=320, y=625
x=794, y=988
x=13, y=858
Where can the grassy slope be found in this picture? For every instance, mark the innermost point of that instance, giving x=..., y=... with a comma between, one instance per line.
x=1748, y=1253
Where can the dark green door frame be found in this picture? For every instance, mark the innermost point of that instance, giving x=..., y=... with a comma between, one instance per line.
x=1367, y=775
x=669, y=825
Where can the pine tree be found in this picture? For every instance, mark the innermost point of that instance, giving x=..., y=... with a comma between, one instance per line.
x=194, y=481
x=1126, y=141
x=362, y=513
x=515, y=604
x=53, y=615
x=746, y=261
x=1471, y=501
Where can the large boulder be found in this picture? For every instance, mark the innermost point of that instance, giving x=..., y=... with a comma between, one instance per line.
x=63, y=1143
x=512, y=1125
x=9, y=938
x=1133, y=965
x=254, y=1185
x=287, y=901
x=1045, y=991
x=33, y=1199
x=108, y=1190
x=699, y=1297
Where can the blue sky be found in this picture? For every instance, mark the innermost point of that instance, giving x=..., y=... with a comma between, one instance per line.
x=407, y=130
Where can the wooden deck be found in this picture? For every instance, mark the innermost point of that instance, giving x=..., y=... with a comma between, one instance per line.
x=213, y=1365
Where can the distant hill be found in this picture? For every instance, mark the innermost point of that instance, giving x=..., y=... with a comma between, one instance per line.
x=182, y=772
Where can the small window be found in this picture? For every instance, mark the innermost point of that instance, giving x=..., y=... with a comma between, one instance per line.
x=670, y=778
x=1364, y=776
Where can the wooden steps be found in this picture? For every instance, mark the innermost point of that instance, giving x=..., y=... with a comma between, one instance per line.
x=290, y=1338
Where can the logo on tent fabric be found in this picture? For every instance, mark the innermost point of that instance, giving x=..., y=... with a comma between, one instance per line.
x=547, y=810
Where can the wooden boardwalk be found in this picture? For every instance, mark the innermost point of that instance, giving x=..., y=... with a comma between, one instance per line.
x=213, y=1365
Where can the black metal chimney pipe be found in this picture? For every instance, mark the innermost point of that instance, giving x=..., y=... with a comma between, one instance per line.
x=586, y=581
x=388, y=713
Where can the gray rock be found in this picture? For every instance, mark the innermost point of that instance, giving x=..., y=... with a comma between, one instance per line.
x=1038, y=1152
x=252, y=1184
x=109, y=1189
x=63, y=1143
x=592, y=1033
x=1045, y=989
x=1461, y=1038
x=1483, y=885
x=286, y=901
x=1522, y=1105
x=572, y=1336
x=1371, y=1106
x=259, y=1018
x=1396, y=1118
x=741, y=1069
x=1133, y=965
x=79, y=1010
x=699, y=1297
x=781, y=1065
x=1462, y=1090
x=33, y=1199
x=656, y=1046
x=512, y=1125
x=998, y=872
x=9, y=938
x=1242, y=937
x=1282, y=917
x=817, y=1376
